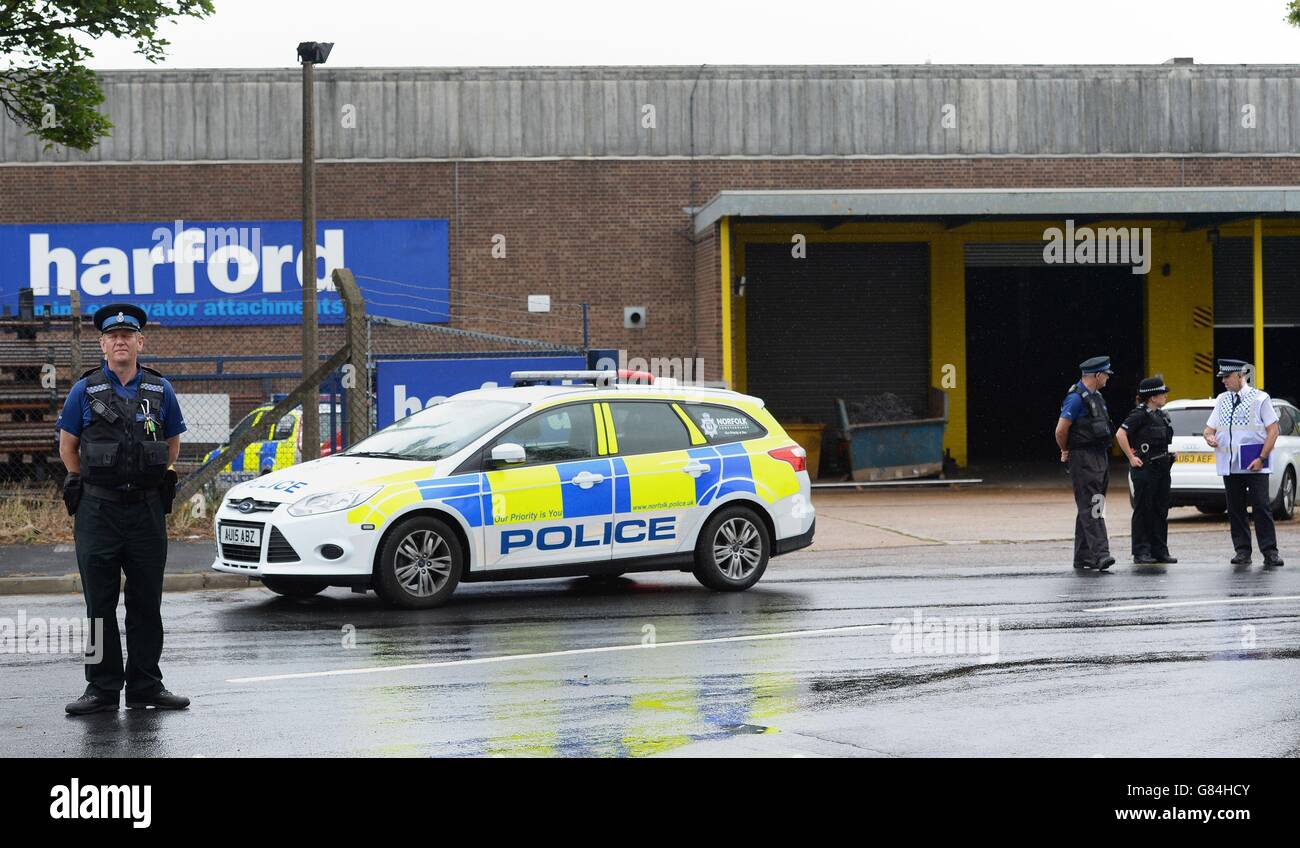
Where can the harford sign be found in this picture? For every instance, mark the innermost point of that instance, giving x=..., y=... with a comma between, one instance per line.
x=228, y=272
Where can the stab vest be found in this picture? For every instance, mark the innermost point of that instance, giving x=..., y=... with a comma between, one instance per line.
x=1092, y=429
x=117, y=448
x=1156, y=433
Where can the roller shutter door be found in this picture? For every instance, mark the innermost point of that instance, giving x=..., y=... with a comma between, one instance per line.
x=1234, y=282
x=847, y=321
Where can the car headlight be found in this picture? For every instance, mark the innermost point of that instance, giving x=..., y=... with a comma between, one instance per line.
x=332, y=501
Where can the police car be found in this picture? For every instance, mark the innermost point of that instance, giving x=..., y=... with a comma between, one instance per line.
x=538, y=480
x=1193, y=480
x=281, y=447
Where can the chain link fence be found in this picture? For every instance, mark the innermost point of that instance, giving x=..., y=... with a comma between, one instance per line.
x=222, y=395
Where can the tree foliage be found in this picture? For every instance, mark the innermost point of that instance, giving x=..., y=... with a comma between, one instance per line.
x=44, y=82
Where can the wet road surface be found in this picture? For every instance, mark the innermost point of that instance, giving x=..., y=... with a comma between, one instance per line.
x=829, y=655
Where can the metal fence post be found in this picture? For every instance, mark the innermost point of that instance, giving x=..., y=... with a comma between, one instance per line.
x=358, y=386
x=74, y=298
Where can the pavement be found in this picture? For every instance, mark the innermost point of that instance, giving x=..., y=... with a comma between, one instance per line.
x=984, y=649
x=1033, y=508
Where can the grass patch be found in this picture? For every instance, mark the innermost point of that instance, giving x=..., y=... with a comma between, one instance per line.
x=38, y=517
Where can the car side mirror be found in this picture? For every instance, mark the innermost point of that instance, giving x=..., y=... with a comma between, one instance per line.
x=508, y=453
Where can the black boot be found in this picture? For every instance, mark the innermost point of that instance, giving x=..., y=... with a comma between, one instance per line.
x=1273, y=560
x=1105, y=562
x=162, y=699
x=92, y=702
x=1241, y=559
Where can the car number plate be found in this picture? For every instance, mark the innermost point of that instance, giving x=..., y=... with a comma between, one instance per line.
x=1196, y=457
x=233, y=535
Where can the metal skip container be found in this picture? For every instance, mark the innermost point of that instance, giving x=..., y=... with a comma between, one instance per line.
x=896, y=450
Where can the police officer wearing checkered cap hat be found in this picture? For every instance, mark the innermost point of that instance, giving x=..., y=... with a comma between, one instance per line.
x=120, y=433
x=1083, y=433
x=1243, y=430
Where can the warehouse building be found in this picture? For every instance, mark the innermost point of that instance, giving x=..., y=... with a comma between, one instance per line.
x=808, y=233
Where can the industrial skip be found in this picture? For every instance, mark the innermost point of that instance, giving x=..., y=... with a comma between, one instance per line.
x=896, y=450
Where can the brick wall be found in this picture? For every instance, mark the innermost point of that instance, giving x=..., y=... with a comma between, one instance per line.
x=610, y=233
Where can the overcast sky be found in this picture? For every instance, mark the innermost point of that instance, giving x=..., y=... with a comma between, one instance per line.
x=263, y=33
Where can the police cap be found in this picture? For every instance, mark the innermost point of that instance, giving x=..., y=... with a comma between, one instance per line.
x=120, y=316
x=1096, y=365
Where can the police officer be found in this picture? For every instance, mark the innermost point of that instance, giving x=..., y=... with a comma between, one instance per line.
x=121, y=427
x=1083, y=433
x=1243, y=429
x=1145, y=437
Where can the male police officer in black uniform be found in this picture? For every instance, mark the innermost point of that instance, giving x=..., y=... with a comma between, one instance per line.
x=1145, y=437
x=121, y=429
x=1083, y=433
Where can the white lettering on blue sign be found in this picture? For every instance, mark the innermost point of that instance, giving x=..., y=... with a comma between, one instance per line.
x=112, y=271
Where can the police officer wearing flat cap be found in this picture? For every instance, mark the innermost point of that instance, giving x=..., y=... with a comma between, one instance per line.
x=1145, y=437
x=121, y=427
x=1083, y=433
x=1243, y=429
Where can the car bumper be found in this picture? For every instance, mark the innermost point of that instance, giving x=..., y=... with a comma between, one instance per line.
x=794, y=543
x=292, y=547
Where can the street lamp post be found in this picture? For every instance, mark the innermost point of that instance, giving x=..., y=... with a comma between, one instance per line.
x=311, y=54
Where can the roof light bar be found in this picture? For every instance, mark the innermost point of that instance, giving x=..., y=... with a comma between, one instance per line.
x=598, y=378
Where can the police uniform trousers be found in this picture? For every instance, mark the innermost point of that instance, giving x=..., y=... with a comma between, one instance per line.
x=1090, y=475
x=115, y=538
x=1151, y=508
x=1250, y=489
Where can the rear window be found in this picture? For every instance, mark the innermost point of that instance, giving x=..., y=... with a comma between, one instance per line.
x=721, y=424
x=648, y=427
x=1189, y=422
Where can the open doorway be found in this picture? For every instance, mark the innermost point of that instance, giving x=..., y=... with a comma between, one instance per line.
x=1027, y=330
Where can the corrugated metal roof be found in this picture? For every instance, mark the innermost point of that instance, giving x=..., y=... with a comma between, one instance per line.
x=458, y=113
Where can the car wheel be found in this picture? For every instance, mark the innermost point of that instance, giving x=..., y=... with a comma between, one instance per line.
x=420, y=564
x=1284, y=506
x=1212, y=509
x=732, y=552
x=292, y=588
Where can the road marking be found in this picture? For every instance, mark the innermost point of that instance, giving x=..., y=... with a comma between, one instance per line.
x=788, y=634
x=1198, y=603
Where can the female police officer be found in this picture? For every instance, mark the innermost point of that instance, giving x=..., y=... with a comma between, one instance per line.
x=1145, y=437
x=121, y=433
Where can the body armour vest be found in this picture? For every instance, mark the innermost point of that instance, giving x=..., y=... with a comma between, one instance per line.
x=1156, y=434
x=1092, y=429
x=124, y=444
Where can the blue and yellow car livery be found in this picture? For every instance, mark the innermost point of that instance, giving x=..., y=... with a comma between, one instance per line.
x=651, y=470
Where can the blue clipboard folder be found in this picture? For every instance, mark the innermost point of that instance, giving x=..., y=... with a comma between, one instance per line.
x=1249, y=453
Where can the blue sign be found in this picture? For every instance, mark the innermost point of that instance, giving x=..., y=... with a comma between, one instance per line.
x=205, y=273
x=405, y=386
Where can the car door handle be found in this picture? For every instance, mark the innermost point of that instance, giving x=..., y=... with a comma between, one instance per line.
x=586, y=479
x=695, y=469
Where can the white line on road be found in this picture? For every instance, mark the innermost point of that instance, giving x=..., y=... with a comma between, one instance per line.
x=788, y=634
x=1208, y=603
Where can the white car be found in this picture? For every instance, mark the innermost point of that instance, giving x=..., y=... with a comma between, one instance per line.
x=527, y=482
x=1193, y=481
